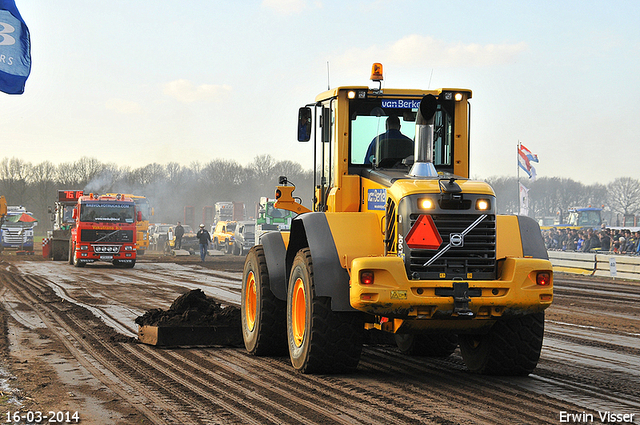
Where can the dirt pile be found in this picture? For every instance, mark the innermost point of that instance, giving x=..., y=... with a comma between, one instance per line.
x=192, y=309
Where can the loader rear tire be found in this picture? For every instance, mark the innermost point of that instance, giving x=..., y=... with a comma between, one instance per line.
x=427, y=345
x=320, y=340
x=510, y=348
x=263, y=315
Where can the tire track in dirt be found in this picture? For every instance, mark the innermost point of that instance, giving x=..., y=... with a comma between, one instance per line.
x=226, y=385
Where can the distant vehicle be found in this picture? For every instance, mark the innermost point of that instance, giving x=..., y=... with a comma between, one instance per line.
x=223, y=235
x=271, y=219
x=142, y=226
x=104, y=230
x=162, y=238
x=244, y=237
x=579, y=218
x=228, y=211
x=16, y=231
x=56, y=245
x=189, y=240
x=546, y=221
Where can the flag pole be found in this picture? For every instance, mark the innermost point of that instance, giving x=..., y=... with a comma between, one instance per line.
x=518, y=174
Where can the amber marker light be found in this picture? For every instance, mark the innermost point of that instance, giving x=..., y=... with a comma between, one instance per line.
x=366, y=277
x=483, y=204
x=351, y=94
x=458, y=97
x=543, y=278
x=376, y=72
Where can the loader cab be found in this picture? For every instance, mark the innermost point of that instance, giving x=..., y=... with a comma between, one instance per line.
x=350, y=131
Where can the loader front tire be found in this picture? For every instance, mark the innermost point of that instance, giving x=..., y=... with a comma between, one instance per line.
x=263, y=315
x=320, y=340
x=427, y=345
x=510, y=348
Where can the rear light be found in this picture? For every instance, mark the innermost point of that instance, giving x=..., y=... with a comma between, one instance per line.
x=366, y=277
x=543, y=278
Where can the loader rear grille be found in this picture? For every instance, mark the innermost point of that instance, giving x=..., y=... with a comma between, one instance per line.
x=474, y=260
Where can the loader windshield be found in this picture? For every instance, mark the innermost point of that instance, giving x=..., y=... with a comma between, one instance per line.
x=144, y=207
x=372, y=121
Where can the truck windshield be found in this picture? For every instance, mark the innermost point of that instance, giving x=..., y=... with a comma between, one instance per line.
x=107, y=212
x=18, y=225
x=277, y=213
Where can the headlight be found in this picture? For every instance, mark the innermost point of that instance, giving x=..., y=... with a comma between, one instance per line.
x=426, y=204
x=483, y=204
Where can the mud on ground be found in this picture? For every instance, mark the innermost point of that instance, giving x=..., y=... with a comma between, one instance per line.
x=28, y=382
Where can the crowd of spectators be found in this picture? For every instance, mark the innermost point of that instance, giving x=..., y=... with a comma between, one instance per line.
x=604, y=240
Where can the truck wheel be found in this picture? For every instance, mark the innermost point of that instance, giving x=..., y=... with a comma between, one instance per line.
x=320, y=340
x=216, y=246
x=263, y=315
x=73, y=254
x=427, y=345
x=228, y=248
x=511, y=348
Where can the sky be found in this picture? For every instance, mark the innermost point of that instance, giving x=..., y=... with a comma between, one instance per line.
x=139, y=82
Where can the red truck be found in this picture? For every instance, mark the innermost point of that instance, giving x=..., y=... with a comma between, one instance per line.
x=105, y=230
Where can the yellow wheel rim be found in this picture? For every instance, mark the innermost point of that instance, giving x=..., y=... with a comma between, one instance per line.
x=298, y=312
x=250, y=301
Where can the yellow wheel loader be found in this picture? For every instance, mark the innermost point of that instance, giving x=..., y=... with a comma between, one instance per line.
x=400, y=240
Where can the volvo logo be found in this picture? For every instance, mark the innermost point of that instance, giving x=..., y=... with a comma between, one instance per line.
x=456, y=239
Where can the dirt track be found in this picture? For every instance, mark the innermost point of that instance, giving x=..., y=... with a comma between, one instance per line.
x=69, y=345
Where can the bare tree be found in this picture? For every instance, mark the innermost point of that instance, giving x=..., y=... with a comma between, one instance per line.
x=14, y=176
x=624, y=196
x=44, y=187
x=507, y=194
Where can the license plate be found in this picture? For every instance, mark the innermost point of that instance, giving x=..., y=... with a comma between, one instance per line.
x=106, y=257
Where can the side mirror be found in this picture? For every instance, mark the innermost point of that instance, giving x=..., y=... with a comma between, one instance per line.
x=74, y=214
x=139, y=216
x=152, y=213
x=304, y=124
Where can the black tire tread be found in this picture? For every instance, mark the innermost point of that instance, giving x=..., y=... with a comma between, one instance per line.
x=511, y=348
x=336, y=337
x=272, y=337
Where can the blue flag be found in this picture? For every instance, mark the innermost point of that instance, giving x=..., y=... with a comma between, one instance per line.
x=15, y=49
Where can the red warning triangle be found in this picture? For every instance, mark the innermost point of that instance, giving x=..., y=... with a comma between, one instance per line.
x=424, y=234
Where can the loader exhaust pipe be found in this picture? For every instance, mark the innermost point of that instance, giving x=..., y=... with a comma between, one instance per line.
x=423, y=148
